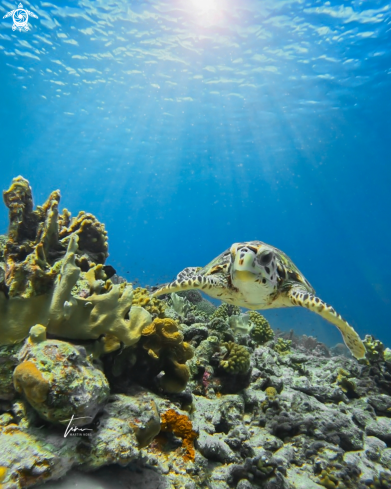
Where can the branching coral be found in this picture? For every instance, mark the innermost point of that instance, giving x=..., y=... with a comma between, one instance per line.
x=180, y=426
x=261, y=332
x=237, y=358
x=164, y=343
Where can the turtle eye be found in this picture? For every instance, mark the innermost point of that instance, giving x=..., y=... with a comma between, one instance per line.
x=265, y=258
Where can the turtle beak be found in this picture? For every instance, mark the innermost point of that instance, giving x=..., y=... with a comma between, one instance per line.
x=242, y=259
x=233, y=250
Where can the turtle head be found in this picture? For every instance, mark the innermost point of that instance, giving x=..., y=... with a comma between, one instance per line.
x=253, y=264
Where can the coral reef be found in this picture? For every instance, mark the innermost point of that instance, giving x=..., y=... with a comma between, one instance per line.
x=71, y=316
x=34, y=453
x=41, y=257
x=203, y=396
x=201, y=305
x=184, y=311
x=310, y=344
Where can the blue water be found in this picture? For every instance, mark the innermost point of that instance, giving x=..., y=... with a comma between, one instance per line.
x=186, y=126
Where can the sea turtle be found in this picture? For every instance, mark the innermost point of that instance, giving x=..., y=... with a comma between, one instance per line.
x=256, y=275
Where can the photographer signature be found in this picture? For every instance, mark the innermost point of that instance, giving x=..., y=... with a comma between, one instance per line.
x=75, y=429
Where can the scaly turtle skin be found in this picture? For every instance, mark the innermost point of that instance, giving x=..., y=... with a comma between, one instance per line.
x=258, y=276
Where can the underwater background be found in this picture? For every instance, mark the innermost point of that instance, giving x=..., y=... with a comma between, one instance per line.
x=186, y=126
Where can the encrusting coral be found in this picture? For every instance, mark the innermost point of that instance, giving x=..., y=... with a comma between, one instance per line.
x=180, y=426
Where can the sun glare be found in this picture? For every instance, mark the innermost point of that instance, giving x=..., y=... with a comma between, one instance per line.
x=205, y=5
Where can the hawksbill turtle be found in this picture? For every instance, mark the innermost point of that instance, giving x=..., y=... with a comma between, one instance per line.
x=256, y=275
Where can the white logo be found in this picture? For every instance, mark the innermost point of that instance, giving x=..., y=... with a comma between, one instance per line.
x=74, y=430
x=21, y=18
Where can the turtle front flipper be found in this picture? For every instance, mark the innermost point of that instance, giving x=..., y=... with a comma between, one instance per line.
x=188, y=279
x=301, y=297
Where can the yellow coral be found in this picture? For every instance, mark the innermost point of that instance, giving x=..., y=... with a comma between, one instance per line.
x=326, y=479
x=161, y=332
x=74, y=317
x=180, y=426
x=237, y=358
x=39, y=279
x=165, y=343
x=261, y=332
x=224, y=311
x=271, y=392
x=29, y=380
x=37, y=238
x=347, y=385
x=154, y=306
x=374, y=348
x=283, y=346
